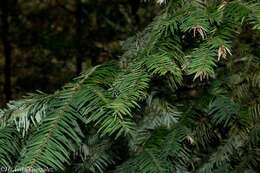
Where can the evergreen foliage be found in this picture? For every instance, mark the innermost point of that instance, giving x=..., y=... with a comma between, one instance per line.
x=183, y=98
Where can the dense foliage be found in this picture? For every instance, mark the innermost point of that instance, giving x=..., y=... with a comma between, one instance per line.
x=184, y=97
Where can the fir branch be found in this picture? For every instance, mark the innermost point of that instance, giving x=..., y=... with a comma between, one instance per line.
x=52, y=125
x=10, y=146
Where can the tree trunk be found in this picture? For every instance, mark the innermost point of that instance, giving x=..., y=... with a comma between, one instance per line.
x=78, y=16
x=134, y=8
x=7, y=50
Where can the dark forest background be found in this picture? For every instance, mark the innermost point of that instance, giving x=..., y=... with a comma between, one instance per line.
x=45, y=43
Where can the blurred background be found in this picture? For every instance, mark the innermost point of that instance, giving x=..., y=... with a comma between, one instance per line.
x=45, y=43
